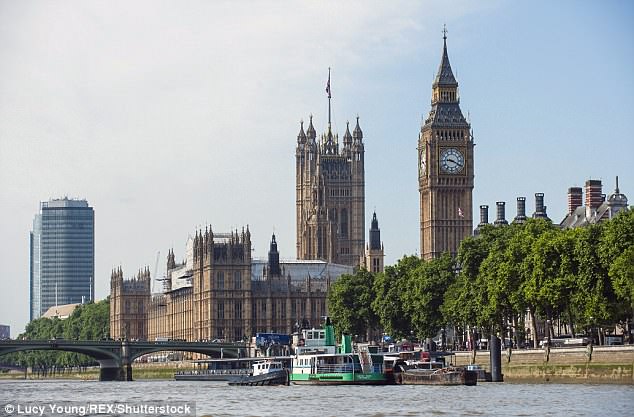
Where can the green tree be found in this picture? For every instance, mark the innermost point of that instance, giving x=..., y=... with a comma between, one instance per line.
x=615, y=251
x=350, y=303
x=390, y=287
x=617, y=237
x=593, y=298
x=427, y=283
x=526, y=262
x=497, y=281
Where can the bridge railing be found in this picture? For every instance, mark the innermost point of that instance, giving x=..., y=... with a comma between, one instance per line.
x=118, y=342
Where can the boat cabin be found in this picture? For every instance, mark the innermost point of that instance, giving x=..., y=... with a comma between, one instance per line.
x=314, y=341
x=265, y=367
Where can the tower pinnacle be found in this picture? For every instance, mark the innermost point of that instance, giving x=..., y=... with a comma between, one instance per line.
x=445, y=76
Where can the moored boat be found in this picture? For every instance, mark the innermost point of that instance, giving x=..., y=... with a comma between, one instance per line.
x=481, y=374
x=231, y=369
x=433, y=373
x=321, y=362
x=264, y=373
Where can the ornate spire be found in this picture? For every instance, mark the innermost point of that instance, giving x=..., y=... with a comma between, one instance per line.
x=444, y=76
x=347, y=137
x=274, y=259
x=310, y=132
x=375, y=234
x=357, y=134
x=375, y=222
x=301, y=137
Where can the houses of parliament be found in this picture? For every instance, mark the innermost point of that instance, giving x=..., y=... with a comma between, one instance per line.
x=219, y=291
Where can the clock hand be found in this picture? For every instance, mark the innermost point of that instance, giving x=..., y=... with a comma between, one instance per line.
x=455, y=162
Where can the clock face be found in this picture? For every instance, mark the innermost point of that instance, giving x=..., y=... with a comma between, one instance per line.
x=451, y=161
x=423, y=162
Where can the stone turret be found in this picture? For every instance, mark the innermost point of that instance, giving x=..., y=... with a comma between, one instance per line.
x=373, y=259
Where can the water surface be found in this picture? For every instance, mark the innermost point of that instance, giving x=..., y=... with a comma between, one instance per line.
x=219, y=399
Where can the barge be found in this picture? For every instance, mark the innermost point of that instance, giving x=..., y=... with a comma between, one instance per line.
x=433, y=373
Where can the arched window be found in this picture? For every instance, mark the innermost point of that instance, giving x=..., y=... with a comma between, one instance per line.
x=343, y=225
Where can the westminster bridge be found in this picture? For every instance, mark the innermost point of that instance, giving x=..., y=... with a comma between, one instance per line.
x=115, y=357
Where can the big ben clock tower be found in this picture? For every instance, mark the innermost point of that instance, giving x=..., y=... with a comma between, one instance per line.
x=445, y=168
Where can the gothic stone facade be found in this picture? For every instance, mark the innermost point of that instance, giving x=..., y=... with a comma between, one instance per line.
x=330, y=196
x=445, y=169
x=129, y=302
x=219, y=299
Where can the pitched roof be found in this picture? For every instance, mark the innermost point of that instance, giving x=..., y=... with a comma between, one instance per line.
x=64, y=311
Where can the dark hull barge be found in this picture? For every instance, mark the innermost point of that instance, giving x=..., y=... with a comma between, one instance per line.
x=442, y=376
x=278, y=377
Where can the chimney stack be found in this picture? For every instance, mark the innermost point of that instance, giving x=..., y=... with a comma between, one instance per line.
x=484, y=215
x=521, y=210
x=540, y=208
x=500, y=214
x=593, y=194
x=575, y=199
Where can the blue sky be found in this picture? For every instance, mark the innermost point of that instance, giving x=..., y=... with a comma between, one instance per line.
x=169, y=116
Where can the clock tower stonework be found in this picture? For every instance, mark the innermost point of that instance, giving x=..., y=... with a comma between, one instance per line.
x=445, y=168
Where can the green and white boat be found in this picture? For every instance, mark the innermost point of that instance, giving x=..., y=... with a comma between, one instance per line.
x=321, y=362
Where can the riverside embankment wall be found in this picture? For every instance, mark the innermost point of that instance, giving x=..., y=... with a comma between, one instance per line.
x=605, y=364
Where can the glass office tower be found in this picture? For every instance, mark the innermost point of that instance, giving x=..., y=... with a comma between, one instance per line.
x=62, y=255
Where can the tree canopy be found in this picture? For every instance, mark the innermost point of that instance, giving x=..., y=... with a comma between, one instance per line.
x=583, y=277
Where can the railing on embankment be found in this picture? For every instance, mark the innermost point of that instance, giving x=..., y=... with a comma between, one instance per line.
x=603, y=364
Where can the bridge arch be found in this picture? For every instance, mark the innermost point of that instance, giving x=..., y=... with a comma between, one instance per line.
x=115, y=357
x=97, y=354
x=107, y=355
x=214, y=352
x=140, y=348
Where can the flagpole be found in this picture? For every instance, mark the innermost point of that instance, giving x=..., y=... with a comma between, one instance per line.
x=329, y=96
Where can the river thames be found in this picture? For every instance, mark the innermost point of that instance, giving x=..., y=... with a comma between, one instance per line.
x=218, y=399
